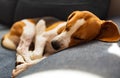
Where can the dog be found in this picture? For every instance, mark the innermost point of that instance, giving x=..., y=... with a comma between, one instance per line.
x=36, y=39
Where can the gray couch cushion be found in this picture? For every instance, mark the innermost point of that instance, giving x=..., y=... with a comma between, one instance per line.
x=7, y=57
x=92, y=58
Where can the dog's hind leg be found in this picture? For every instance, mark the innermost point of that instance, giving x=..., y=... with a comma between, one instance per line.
x=25, y=41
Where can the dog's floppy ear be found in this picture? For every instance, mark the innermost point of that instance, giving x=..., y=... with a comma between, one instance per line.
x=109, y=32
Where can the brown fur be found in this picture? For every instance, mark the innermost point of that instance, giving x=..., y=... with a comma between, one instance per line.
x=93, y=28
x=14, y=33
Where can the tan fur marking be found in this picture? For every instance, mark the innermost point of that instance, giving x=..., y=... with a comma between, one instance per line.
x=79, y=15
x=11, y=39
x=17, y=28
x=53, y=26
x=16, y=32
x=32, y=21
x=61, y=30
x=87, y=31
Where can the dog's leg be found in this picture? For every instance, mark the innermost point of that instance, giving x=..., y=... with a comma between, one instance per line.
x=40, y=41
x=39, y=47
x=43, y=39
x=25, y=41
x=22, y=67
x=23, y=56
x=19, y=59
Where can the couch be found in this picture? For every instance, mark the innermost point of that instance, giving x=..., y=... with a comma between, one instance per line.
x=92, y=57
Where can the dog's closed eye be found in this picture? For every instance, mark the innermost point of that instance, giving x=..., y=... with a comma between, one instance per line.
x=77, y=38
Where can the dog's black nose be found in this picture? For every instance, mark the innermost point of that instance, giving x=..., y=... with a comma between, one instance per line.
x=55, y=45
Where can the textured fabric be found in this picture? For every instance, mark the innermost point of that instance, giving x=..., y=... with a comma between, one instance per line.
x=7, y=8
x=7, y=58
x=59, y=8
x=92, y=58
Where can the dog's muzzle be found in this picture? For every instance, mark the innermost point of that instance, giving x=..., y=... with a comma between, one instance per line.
x=55, y=45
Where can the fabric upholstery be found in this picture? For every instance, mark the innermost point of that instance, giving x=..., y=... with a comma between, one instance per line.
x=7, y=57
x=59, y=8
x=92, y=58
x=7, y=8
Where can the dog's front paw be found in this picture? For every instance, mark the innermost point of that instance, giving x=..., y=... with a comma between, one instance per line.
x=19, y=68
x=36, y=55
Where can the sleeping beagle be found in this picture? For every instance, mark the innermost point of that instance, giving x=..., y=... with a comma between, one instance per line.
x=36, y=39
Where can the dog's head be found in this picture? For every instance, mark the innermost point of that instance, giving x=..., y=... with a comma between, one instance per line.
x=83, y=26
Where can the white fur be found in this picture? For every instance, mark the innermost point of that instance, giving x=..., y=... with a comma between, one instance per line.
x=39, y=40
x=40, y=27
x=26, y=39
x=65, y=37
x=8, y=43
x=77, y=25
x=42, y=39
x=45, y=40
